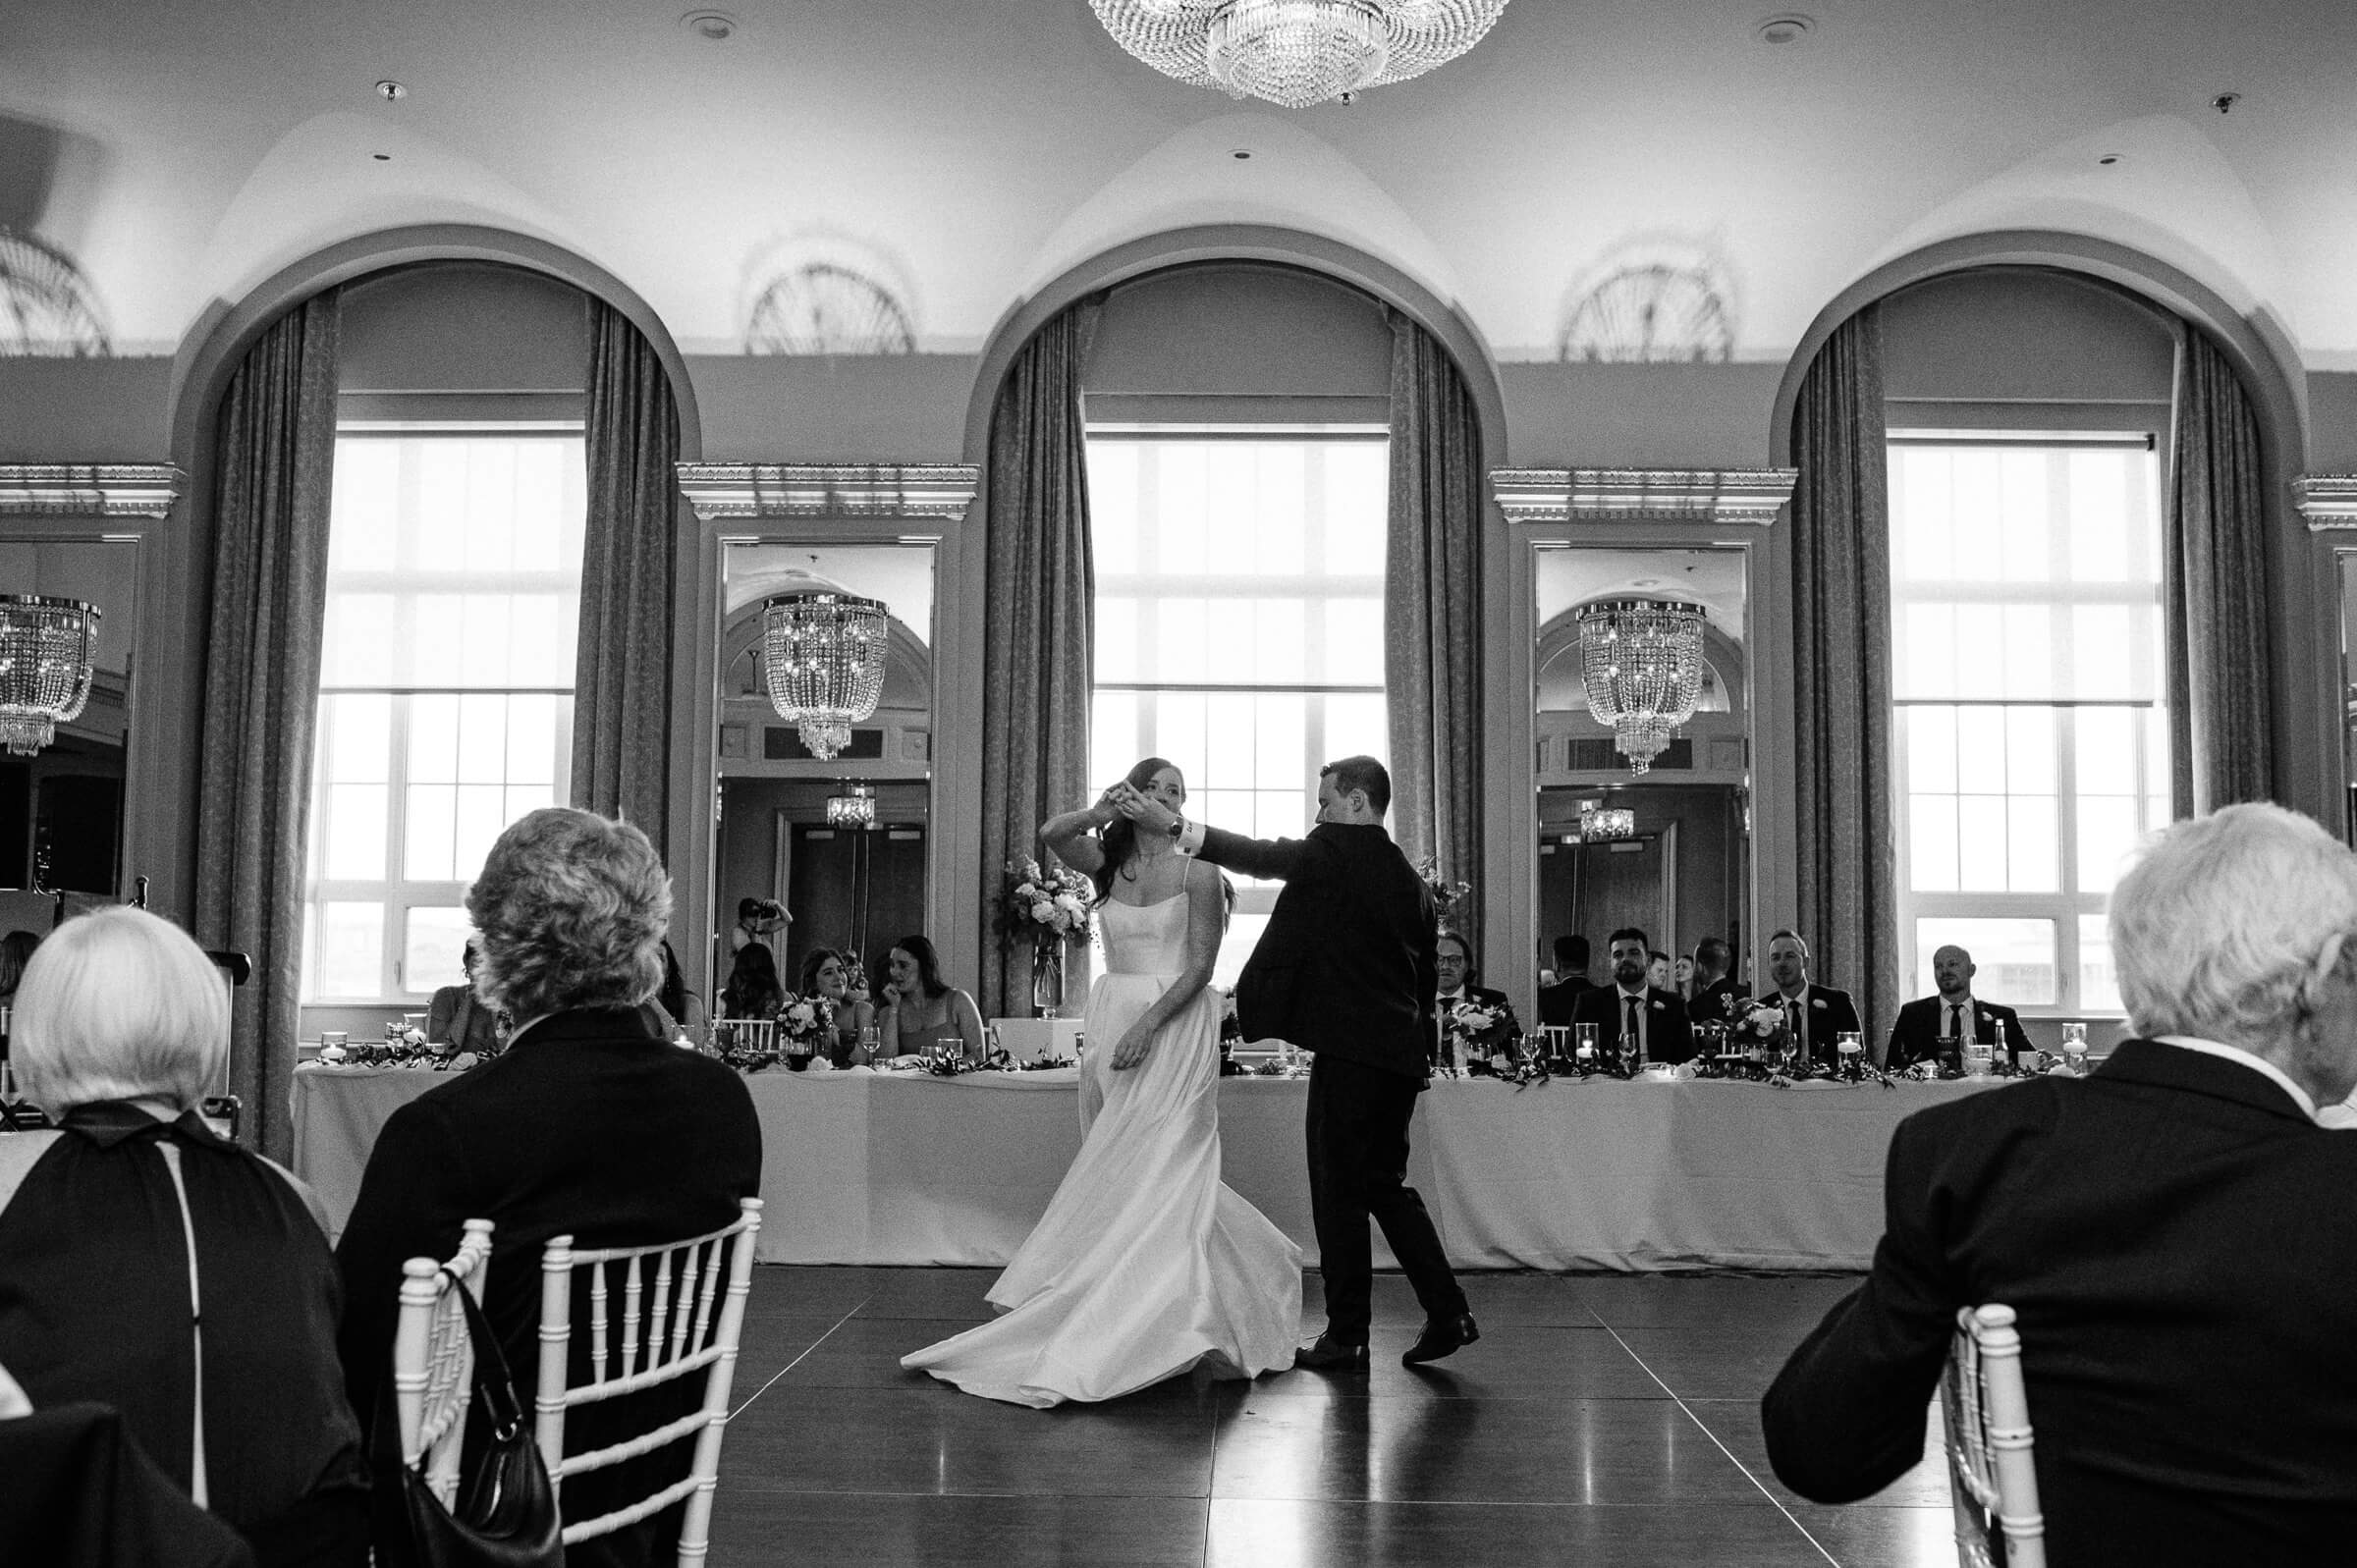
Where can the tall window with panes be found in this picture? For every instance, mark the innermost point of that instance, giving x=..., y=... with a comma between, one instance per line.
x=1239, y=622
x=2028, y=676
x=445, y=691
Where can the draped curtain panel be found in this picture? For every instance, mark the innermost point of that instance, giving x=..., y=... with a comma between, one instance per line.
x=2218, y=693
x=1847, y=806
x=1431, y=619
x=621, y=670
x=273, y=472
x=1039, y=646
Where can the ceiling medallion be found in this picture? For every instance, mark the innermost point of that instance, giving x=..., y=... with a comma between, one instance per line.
x=1643, y=662
x=1296, y=53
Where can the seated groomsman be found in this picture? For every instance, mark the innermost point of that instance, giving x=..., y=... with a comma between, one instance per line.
x=1715, y=990
x=1629, y=1005
x=1570, y=979
x=1954, y=1014
x=1817, y=1014
x=1452, y=959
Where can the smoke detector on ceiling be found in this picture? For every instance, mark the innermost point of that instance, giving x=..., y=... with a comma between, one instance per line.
x=713, y=27
x=391, y=91
x=1789, y=27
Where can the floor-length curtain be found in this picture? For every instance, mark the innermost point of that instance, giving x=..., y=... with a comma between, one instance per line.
x=1041, y=607
x=2219, y=704
x=273, y=470
x=1432, y=611
x=622, y=667
x=1846, y=850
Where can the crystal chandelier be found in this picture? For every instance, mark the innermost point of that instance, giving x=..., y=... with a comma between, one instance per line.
x=46, y=646
x=822, y=654
x=855, y=807
x=1643, y=664
x=1603, y=824
x=1296, y=53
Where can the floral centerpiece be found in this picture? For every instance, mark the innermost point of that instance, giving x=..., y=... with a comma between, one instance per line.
x=1047, y=907
x=1450, y=900
x=1485, y=1035
x=803, y=1024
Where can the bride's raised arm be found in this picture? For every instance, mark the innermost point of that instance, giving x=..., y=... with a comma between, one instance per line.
x=1069, y=835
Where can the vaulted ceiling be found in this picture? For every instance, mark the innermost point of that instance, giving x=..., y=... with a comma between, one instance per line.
x=923, y=164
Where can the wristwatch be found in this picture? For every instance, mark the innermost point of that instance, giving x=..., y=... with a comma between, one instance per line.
x=1177, y=827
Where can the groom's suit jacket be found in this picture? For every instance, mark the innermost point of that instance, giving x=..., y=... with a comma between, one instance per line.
x=1346, y=966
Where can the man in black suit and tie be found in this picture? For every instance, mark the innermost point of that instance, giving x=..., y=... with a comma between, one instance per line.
x=1630, y=1006
x=1570, y=979
x=1817, y=1014
x=1716, y=990
x=1956, y=1014
x=2173, y=1234
x=1346, y=967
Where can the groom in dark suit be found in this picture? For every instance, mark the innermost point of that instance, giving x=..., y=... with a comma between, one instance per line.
x=1347, y=969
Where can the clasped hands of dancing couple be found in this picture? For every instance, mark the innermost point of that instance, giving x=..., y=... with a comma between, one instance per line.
x=1145, y=1264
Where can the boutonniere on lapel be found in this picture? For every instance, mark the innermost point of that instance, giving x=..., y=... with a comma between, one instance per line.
x=1817, y=1001
x=1657, y=1006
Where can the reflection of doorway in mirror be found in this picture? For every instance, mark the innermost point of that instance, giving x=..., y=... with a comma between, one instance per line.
x=1684, y=879
x=2348, y=683
x=846, y=887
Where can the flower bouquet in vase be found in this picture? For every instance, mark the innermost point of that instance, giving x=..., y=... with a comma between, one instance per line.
x=1485, y=1037
x=1047, y=908
x=803, y=1024
x=1759, y=1028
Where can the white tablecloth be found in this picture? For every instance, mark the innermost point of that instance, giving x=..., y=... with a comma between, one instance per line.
x=860, y=1167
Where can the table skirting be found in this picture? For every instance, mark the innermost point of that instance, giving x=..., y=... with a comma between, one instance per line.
x=860, y=1167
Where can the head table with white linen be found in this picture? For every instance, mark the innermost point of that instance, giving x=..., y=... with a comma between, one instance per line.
x=903, y=1168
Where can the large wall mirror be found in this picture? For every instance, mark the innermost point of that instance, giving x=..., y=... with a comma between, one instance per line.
x=2346, y=562
x=779, y=832
x=1668, y=849
x=62, y=809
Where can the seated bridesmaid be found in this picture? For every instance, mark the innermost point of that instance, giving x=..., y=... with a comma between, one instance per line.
x=828, y=975
x=753, y=990
x=920, y=1007
x=454, y=1016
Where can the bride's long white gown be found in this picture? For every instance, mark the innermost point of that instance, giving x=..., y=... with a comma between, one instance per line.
x=1145, y=1264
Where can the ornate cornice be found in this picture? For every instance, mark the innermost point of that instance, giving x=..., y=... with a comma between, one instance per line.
x=1746, y=496
x=722, y=490
x=2328, y=501
x=90, y=489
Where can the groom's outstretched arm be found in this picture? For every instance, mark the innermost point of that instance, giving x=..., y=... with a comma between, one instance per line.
x=1274, y=859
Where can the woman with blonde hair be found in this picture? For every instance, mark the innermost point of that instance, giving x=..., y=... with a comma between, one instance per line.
x=152, y=1266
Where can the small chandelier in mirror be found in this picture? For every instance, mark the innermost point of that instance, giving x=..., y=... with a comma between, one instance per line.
x=822, y=655
x=852, y=806
x=1643, y=669
x=1296, y=53
x=46, y=649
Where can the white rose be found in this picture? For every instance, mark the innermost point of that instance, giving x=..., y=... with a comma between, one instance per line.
x=1768, y=1020
x=1476, y=1019
x=1069, y=904
x=800, y=1015
x=1042, y=911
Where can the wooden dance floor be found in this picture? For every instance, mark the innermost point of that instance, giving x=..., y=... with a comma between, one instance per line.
x=1602, y=1418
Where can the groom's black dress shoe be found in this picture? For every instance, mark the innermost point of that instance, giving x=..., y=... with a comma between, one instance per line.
x=1329, y=1354
x=1441, y=1336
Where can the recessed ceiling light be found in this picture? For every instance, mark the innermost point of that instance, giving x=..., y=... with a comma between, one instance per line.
x=1789, y=27
x=2109, y=158
x=713, y=27
x=391, y=91
x=1242, y=154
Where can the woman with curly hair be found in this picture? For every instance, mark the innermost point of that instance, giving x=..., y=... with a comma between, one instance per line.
x=589, y=1124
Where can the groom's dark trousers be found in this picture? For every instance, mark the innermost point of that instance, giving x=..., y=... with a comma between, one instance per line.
x=1346, y=969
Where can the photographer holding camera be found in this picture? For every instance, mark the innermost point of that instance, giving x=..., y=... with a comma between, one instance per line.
x=757, y=920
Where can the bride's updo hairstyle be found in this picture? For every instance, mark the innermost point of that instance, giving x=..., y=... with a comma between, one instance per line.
x=1119, y=835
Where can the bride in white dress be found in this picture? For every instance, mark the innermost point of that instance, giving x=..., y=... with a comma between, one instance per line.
x=1145, y=1264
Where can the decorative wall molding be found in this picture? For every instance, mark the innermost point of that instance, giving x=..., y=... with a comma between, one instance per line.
x=88, y=489
x=2328, y=501
x=1750, y=497
x=724, y=490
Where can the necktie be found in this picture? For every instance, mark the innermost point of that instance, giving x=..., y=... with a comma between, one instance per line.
x=1955, y=1028
x=1629, y=1021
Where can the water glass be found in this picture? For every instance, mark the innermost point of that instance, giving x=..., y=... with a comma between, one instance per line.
x=1980, y=1059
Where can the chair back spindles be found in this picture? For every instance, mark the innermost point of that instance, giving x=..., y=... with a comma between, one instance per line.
x=669, y=1331
x=433, y=1357
x=1993, y=1478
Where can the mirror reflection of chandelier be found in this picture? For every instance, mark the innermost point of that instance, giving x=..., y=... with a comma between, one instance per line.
x=853, y=806
x=1643, y=666
x=1296, y=53
x=46, y=649
x=822, y=655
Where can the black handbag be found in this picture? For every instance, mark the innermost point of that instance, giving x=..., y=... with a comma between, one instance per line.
x=507, y=1513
